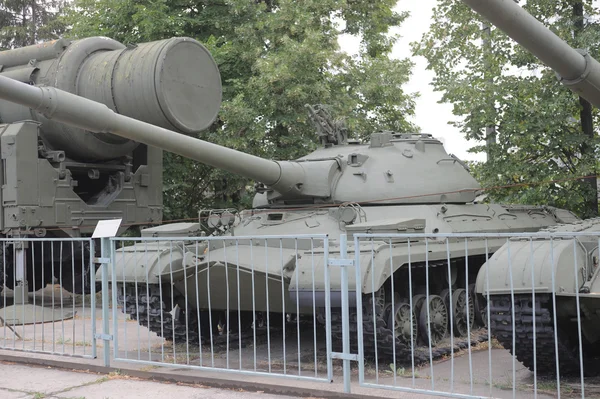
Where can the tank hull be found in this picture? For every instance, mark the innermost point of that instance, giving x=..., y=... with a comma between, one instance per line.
x=272, y=275
x=560, y=275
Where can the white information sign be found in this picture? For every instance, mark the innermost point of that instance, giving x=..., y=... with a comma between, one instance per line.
x=107, y=228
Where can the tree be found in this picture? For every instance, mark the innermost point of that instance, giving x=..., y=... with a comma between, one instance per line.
x=275, y=56
x=544, y=131
x=24, y=22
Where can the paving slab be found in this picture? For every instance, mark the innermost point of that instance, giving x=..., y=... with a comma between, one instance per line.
x=139, y=389
x=170, y=363
x=8, y=394
x=43, y=380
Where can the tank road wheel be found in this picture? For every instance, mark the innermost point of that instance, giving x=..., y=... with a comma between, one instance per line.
x=379, y=296
x=400, y=322
x=445, y=295
x=479, y=306
x=438, y=316
x=417, y=302
x=459, y=304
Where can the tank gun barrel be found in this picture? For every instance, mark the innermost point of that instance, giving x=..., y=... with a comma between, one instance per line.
x=576, y=69
x=95, y=117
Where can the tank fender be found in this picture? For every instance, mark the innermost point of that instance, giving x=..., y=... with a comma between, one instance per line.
x=532, y=265
x=388, y=258
x=274, y=261
x=377, y=262
x=144, y=262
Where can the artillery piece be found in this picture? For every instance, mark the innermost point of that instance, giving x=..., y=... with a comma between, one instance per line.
x=58, y=179
x=554, y=278
x=346, y=186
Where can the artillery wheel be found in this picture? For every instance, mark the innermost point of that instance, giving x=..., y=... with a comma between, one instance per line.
x=400, y=321
x=438, y=316
x=459, y=304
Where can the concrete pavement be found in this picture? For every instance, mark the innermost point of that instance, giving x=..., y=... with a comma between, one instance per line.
x=30, y=382
x=71, y=343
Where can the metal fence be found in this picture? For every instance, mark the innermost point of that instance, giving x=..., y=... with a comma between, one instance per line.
x=436, y=314
x=239, y=304
x=425, y=330
x=55, y=312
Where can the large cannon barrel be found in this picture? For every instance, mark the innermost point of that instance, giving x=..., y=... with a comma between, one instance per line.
x=575, y=68
x=173, y=83
x=64, y=107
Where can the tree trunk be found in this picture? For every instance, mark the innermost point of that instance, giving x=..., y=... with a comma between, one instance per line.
x=587, y=124
x=490, y=129
x=33, y=36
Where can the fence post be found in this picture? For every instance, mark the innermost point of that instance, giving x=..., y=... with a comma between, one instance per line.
x=343, y=262
x=105, y=229
x=345, y=313
x=105, y=260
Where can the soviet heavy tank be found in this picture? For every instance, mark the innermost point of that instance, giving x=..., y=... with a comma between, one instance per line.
x=392, y=182
x=554, y=279
x=74, y=177
x=344, y=187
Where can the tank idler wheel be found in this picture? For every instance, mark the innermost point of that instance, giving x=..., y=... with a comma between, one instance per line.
x=459, y=303
x=438, y=317
x=479, y=306
x=400, y=321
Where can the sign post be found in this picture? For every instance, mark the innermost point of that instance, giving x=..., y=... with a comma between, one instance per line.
x=105, y=230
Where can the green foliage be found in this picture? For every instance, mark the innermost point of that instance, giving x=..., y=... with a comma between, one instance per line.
x=275, y=56
x=538, y=121
x=24, y=22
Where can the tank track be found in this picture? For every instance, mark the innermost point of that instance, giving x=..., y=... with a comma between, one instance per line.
x=378, y=338
x=568, y=352
x=149, y=311
x=153, y=314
